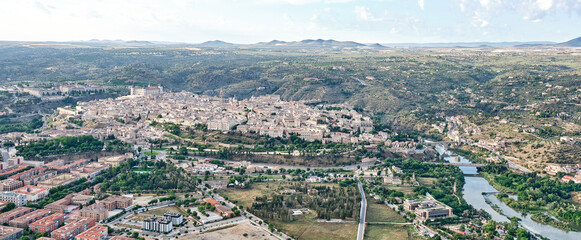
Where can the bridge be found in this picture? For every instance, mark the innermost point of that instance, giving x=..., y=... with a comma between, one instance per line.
x=443, y=143
x=460, y=164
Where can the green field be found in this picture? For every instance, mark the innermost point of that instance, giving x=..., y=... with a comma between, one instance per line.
x=246, y=197
x=424, y=181
x=403, y=189
x=150, y=153
x=387, y=232
x=307, y=227
x=381, y=213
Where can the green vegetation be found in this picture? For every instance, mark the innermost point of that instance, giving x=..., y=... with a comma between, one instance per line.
x=59, y=146
x=387, y=232
x=377, y=211
x=537, y=194
x=306, y=227
x=443, y=189
x=161, y=177
x=60, y=192
x=328, y=202
x=6, y=125
x=9, y=206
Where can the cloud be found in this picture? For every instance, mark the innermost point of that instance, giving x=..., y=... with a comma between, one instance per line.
x=544, y=5
x=531, y=10
x=421, y=4
x=302, y=2
x=363, y=13
x=45, y=8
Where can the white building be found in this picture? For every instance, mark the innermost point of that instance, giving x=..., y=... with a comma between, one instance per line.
x=176, y=218
x=155, y=224
x=16, y=198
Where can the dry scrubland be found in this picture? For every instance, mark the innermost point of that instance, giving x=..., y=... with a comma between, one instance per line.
x=234, y=232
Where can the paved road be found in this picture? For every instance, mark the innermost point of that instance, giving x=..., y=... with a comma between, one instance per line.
x=362, y=213
x=348, y=167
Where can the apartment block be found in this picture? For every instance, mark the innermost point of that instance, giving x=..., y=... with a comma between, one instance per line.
x=48, y=224
x=14, y=213
x=60, y=180
x=74, y=227
x=155, y=224
x=16, y=198
x=10, y=233
x=114, y=202
x=175, y=218
x=96, y=211
x=10, y=184
x=33, y=193
x=97, y=232
x=27, y=219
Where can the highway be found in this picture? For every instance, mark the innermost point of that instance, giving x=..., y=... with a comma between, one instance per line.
x=363, y=212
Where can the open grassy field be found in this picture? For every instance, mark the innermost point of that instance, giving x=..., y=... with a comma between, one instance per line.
x=424, y=181
x=576, y=198
x=138, y=217
x=245, y=197
x=307, y=227
x=403, y=189
x=304, y=226
x=161, y=211
x=381, y=213
x=387, y=232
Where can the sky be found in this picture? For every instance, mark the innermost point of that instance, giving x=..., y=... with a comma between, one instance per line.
x=251, y=21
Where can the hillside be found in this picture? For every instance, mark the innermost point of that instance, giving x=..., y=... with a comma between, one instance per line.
x=216, y=43
x=309, y=43
x=401, y=85
x=576, y=42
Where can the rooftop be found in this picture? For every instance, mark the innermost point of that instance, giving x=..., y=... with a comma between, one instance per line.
x=30, y=189
x=6, y=231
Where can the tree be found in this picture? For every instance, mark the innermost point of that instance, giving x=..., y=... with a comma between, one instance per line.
x=521, y=233
x=9, y=207
x=183, y=150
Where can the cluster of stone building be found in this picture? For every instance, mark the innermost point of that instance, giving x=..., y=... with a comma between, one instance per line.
x=129, y=117
x=60, y=90
x=389, y=176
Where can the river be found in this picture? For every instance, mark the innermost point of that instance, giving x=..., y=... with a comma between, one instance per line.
x=473, y=194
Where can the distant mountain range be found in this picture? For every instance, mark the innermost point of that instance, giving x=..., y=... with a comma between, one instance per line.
x=334, y=44
x=576, y=42
x=216, y=43
x=309, y=43
x=305, y=44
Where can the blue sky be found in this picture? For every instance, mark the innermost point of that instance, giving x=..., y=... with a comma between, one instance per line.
x=250, y=21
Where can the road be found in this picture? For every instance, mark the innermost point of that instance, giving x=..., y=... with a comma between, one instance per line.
x=459, y=164
x=362, y=214
x=348, y=167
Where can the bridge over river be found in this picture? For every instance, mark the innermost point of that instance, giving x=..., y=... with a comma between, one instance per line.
x=459, y=164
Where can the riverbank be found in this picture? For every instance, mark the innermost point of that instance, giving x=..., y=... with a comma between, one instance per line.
x=538, y=214
x=478, y=184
